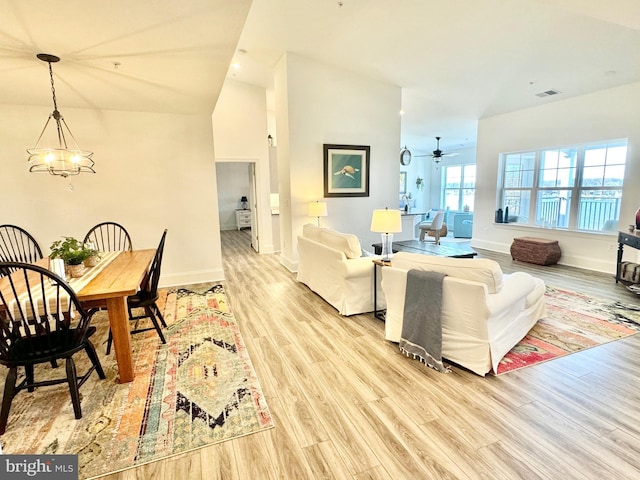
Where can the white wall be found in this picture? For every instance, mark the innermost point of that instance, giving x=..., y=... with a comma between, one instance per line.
x=281, y=115
x=274, y=189
x=240, y=135
x=608, y=114
x=154, y=171
x=419, y=198
x=316, y=105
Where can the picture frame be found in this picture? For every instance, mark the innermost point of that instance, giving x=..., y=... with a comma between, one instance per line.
x=346, y=170
x=403, y=183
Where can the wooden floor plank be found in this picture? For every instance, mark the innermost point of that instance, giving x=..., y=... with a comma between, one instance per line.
x=325, y=462
x=218, y=462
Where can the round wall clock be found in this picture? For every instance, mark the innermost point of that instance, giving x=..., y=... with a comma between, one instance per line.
x=405, y=156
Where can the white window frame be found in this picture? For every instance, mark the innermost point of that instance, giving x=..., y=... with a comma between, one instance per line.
x=460, y=189
x=574, y=188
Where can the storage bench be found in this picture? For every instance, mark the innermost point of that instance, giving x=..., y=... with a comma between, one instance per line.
x=535, y=250
x=630, y=272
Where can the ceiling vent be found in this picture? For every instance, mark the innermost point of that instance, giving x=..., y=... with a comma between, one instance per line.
x=547, y=93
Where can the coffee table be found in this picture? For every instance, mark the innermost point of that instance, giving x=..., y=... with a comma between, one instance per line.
x=430, y=248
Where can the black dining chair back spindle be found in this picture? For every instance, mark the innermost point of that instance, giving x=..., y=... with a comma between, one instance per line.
x=109, y=237
x=18, y=245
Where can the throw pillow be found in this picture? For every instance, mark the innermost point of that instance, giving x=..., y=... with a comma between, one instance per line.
x=345, y=242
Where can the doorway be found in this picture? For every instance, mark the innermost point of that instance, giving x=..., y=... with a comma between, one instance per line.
x=236, y=180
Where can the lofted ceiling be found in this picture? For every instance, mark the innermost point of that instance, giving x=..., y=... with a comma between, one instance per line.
x=142, y=55
x=455, y=60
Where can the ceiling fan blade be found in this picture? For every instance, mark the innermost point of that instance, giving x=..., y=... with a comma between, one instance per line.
x=437, y=154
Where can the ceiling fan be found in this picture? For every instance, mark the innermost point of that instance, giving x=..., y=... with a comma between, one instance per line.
x=437, y=154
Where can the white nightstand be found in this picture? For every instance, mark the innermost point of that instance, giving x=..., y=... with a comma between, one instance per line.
x=243, y=219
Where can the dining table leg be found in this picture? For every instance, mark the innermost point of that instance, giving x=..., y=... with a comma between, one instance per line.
x=119, y=322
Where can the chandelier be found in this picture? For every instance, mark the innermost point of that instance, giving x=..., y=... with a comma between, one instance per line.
x=58, y=158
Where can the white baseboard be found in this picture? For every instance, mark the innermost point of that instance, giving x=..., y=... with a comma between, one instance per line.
x=289, y=264
x=493, y=246
x=186, y=278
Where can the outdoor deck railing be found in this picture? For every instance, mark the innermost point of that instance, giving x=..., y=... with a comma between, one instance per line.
x=594, y=214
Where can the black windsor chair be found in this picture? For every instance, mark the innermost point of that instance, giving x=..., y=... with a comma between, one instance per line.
x=41, y=321
x=146, y=298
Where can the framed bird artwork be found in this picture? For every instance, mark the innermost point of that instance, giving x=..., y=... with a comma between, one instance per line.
x=346, y=170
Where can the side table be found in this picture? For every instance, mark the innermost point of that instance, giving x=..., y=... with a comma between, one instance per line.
x=243, y=219
x=380, y=314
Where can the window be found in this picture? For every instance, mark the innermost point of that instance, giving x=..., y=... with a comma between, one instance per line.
x=577, y=188
x=459, y=187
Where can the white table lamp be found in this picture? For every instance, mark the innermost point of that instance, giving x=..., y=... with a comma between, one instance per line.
x=318, y=209
x=387, y=222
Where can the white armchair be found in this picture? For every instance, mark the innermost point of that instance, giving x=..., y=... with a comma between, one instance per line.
x=434, y=228
x=330, y=264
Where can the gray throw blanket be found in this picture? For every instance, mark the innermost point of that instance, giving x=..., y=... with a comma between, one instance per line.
x=422, y=325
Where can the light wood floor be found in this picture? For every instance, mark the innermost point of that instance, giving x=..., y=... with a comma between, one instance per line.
x=347, y=405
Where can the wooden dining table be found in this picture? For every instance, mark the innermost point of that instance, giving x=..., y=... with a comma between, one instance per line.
x=117, y=278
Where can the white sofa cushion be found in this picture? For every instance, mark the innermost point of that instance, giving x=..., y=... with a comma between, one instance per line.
x=344, y=242
x=311, y=232
x=481, y=270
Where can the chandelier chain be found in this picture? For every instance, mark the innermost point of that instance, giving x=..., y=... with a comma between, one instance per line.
x=53, y=89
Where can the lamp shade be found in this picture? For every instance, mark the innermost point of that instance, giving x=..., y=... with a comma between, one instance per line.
x=386, y=221
x=244, y=199
x=318, y=209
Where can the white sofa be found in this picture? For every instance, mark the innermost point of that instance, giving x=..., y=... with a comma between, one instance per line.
x=331, y=264
x=484, y=312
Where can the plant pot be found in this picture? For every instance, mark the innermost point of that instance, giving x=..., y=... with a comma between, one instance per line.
x=76, y=271
x=92, y=261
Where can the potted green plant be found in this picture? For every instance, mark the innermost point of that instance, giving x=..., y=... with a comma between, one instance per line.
x=93, y=257
x=72, y=252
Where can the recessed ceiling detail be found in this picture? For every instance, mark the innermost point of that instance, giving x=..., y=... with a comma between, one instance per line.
x=547, y=93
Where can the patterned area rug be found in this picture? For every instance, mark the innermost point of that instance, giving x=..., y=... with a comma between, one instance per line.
x=198, y=389
x=574, y=322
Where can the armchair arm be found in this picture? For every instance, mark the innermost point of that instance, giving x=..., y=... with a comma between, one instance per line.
x=358, y=267
x=515, y=288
